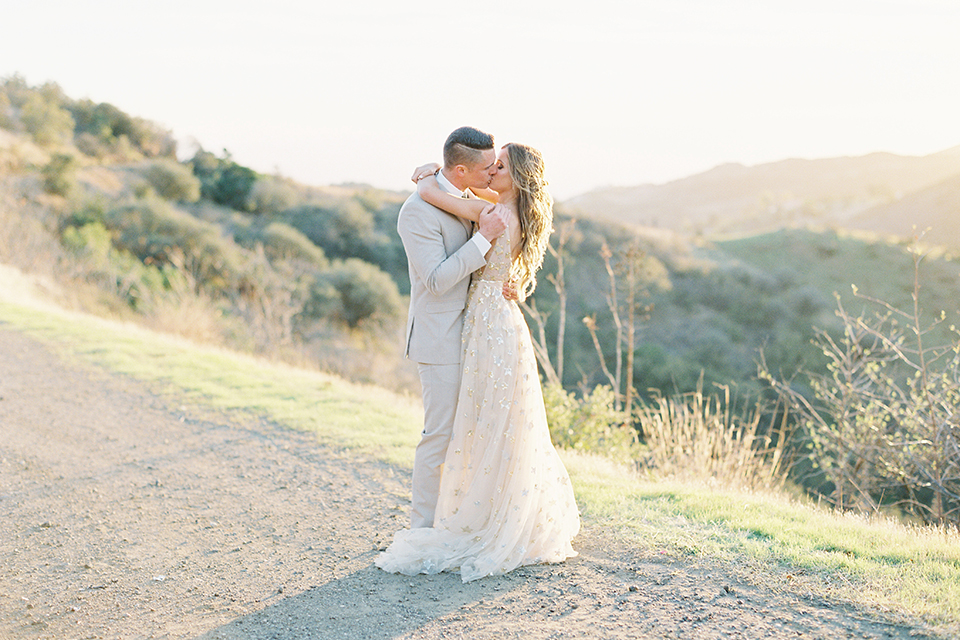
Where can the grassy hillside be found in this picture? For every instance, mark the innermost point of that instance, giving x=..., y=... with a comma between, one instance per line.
x=715, y=305
x=794, y=546
x=836, y=262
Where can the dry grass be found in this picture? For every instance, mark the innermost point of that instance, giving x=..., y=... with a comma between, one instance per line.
x=696, y=436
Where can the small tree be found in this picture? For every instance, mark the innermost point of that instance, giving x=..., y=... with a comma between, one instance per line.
x=883, y=421
x=281, y=242
x=158, y=234
x=629, y=277
x=222, y=180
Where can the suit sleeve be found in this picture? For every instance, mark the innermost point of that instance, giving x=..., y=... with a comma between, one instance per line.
x=423, y=242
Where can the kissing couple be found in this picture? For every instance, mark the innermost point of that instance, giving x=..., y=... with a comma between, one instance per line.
x=490, y=493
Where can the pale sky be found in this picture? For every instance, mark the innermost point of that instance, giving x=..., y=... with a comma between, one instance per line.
x=613, y=92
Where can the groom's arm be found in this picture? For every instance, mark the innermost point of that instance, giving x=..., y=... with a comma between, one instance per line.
x=423, y=242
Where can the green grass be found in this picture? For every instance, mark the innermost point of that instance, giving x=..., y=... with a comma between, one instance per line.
x=341, y=414
x=873, y=562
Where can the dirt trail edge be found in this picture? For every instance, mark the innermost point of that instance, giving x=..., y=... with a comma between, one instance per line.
x=124, y=515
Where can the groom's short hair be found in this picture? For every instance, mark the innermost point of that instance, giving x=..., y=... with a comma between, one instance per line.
x=464, y=145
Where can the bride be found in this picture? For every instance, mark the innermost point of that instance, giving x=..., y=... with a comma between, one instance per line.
x=505, y=496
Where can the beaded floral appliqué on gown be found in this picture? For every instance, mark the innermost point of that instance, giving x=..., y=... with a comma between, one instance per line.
x=505, y=496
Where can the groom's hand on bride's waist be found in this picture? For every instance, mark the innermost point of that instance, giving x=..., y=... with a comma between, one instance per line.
x=510, y=291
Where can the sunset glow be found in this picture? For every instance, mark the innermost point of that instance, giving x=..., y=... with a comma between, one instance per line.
x=613, y=93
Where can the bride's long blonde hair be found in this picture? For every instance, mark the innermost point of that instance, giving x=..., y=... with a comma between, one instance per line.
x=535, y=210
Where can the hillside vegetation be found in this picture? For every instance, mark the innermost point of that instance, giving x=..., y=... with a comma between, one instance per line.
x=97, y=200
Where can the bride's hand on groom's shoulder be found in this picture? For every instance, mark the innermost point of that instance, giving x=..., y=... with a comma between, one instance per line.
x=429, y=169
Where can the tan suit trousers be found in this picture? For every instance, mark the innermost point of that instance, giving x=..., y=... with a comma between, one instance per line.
x=441, y=386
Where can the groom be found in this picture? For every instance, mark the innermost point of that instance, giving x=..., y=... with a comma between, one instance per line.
x=441, y=255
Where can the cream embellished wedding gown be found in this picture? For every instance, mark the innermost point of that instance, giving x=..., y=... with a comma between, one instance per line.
x=505, y=497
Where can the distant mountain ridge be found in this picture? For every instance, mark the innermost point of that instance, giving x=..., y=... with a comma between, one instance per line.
x=878, y=192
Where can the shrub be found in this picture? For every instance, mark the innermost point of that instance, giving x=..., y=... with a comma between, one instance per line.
x=366, y=295
x=90, y=240
x=591, y=423
x=60, y=174
x=271, y=195
x=6, y=112
x=348, y=229
x=159, y=234
x=121, y=132
x=323, y=301
x=283, y=242
x=90, y=145
x=137, y=285
x=342, y=230
x=46, y=121
x=172, y=180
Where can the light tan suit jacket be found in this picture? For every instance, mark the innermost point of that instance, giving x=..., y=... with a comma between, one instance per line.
x=440, y=259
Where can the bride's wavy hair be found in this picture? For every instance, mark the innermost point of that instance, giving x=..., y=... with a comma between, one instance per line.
x=535, y=210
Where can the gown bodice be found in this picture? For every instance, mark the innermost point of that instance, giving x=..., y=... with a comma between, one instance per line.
x=499, y=261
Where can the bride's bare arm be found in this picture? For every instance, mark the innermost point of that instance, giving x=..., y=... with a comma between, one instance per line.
x=467, y=208
x=487, y=194
x=431, y=168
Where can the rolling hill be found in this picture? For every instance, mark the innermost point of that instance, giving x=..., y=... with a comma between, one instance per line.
x=936, y=208
x=878, y=192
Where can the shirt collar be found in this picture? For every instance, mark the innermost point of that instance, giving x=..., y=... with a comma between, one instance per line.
x=447, y=186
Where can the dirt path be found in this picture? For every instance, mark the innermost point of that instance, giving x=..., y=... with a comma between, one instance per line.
x=123, y=516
